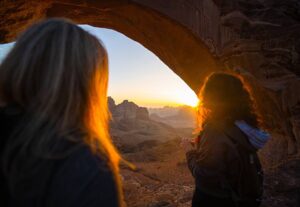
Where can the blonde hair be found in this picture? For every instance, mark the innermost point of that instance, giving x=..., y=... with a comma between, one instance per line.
x=97, y=122
x=57, y=73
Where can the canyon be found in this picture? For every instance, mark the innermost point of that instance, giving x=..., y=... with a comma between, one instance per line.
x=162, y=177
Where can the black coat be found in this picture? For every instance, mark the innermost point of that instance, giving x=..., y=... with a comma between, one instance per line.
x=79, y=179
x=217, y=168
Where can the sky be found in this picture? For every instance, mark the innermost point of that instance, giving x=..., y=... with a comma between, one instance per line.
x=136, y=74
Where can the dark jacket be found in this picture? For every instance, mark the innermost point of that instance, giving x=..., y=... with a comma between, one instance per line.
x=79, y=179
x=216, y=165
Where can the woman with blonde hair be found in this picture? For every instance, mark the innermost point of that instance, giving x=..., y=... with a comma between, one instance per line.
x=223, y=160
x=55, y=146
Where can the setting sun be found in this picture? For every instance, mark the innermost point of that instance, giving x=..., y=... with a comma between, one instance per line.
x=190, y=100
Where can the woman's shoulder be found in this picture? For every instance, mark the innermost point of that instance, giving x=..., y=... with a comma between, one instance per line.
x=83, y=157
x=213, y=131
x=215, y=134
x=82, y=162
x=83, y=177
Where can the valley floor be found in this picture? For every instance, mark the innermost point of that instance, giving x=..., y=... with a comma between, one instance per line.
x=162, y=179
x=165, y=182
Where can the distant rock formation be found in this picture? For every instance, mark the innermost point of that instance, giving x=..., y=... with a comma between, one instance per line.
x=131, y=127
x=127, y=111
x=177, y=117
x=164, y=111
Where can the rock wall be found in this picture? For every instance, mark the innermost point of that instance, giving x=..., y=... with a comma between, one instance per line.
x=257, y=39
x=266, y=52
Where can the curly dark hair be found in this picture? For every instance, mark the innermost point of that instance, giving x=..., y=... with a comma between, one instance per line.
x=225, y=98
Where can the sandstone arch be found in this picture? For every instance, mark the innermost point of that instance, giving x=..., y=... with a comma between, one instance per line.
x=171, y=42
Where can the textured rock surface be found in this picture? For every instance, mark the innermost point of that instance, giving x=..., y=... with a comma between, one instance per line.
x=128, y=111
x=257, y=38
x=164, y=181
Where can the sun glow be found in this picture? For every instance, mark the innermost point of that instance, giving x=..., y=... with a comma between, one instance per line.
x=172, y=94
x=190, y=100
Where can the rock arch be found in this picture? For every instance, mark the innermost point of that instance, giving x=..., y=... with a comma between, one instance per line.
x=171, y=42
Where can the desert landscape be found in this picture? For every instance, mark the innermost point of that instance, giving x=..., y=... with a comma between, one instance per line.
x=256, y=39
x=150, y=139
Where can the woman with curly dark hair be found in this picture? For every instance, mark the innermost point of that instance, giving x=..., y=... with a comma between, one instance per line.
x=55, y=146
x=223, y=158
